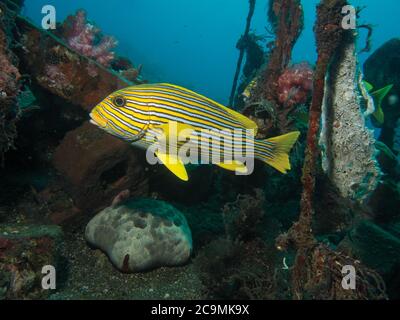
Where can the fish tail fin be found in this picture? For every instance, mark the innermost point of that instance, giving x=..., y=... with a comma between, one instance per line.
x=275, y=151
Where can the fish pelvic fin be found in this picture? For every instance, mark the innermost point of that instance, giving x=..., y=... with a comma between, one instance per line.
x=174, y=164
x=277, y=150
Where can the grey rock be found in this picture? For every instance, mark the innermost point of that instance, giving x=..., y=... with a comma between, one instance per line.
x=143, y=234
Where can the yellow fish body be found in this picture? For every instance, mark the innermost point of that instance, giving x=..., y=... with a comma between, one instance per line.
x=138, y=113
x=247, y=91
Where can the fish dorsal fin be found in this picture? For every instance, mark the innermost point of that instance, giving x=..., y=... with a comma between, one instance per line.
x=247, y=123
x=235, y=165
x=174, y=164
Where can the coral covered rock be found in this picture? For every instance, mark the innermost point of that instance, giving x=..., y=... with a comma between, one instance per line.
x=141, y=234
x=97, y=167
x=24, y=251
x=9, y=74
x=64, y=72
x=9, y=89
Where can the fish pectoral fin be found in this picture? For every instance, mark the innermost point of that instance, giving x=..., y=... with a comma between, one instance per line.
x=182, y=130
x=234, y=166
x=174, y=164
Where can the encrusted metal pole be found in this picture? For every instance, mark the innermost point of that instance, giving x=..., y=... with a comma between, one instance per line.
x=329, y=36
x=252, y=4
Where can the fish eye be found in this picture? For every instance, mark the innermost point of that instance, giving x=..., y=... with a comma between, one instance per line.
x=119, y=101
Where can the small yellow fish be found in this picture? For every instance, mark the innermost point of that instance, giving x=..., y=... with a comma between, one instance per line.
x=137, y=114
x=247, y=92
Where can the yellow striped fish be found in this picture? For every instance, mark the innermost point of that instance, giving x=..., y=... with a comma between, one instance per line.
x=137, y=114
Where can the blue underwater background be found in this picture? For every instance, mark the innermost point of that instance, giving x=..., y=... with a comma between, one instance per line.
x=192, y=43
x=77, y=194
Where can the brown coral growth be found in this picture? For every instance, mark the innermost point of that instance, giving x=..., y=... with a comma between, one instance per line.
x=289, y=24
x=270, y=114
x=329, y=36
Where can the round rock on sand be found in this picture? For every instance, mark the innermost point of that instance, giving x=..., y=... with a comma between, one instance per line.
x=143, y=234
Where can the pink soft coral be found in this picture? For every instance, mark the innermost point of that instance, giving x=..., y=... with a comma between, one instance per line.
x=295, y=84
x=84, y=38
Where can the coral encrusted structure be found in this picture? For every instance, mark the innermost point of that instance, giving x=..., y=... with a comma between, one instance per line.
x=348, y=145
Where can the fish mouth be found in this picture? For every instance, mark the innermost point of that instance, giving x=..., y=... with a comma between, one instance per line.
x=97, y=120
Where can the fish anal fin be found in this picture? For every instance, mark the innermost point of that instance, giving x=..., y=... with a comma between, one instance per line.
x=174, y=164
x=236, y=166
